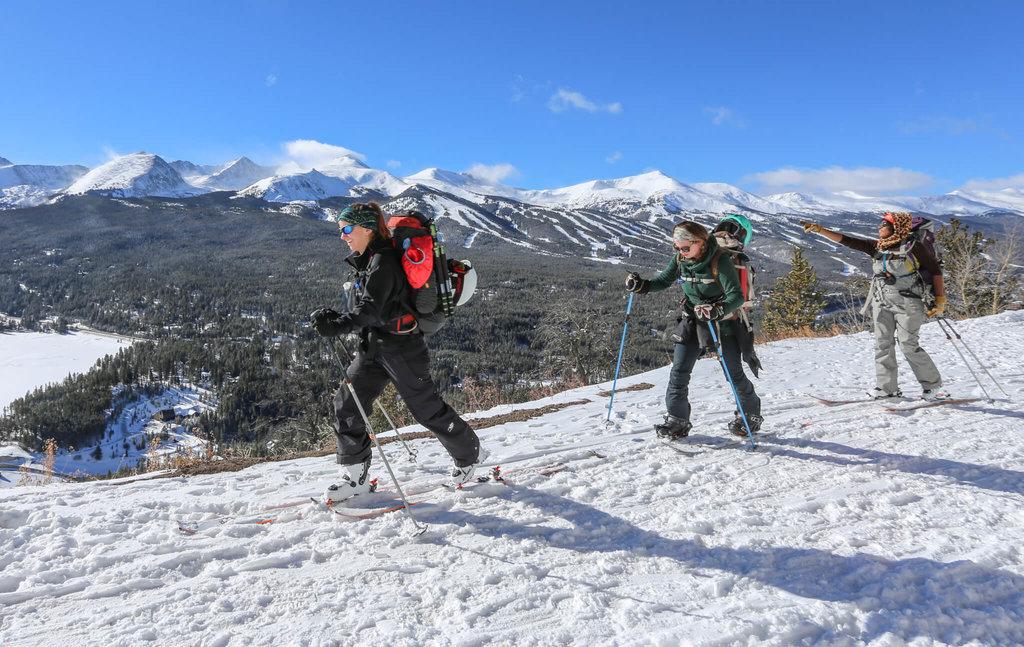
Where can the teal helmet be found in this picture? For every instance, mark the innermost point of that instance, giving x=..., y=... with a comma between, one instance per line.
x=737, y=226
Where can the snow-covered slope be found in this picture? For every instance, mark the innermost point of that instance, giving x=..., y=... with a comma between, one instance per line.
x=5, y=162
x=344, y=176
x=26, y=185
x=234, y=176
x=132, y=176
x=848, y=525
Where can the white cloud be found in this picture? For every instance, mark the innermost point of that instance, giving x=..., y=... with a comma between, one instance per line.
x=614, y=157
x=723, y=116
x=271, y=80
x=306, y=154
x=394, y=164
x=996, y=184
x=493, y=173
x=564, y=99
x=865, y=179
x=110, y=153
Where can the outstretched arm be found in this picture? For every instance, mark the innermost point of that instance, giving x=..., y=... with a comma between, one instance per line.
x=859, y=244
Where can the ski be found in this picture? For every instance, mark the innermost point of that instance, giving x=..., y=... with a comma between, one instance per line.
x=372, y=513
x=869, y=400
x=927, y=404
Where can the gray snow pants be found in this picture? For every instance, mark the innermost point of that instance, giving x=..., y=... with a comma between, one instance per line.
x=901, y=321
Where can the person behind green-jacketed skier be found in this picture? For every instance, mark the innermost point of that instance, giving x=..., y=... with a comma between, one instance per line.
x=711, y=292
x=897, y=300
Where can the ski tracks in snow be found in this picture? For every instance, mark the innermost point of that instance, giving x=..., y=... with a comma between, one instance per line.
x=847, y=524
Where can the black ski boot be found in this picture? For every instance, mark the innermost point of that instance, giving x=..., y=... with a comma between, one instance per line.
x=673, y=428
x=737, y=428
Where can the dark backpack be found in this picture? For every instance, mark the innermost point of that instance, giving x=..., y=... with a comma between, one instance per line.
x=436, y=284
x=922, y=231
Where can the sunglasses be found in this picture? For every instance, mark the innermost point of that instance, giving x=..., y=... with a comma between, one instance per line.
x=686, y=248
x=348, y=229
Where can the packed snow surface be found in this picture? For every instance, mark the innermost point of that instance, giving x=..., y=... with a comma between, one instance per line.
x=30, y=359
x=848, y=525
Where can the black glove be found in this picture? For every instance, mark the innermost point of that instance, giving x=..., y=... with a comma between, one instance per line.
x=325, y=322
x=708, y=311
x=636, y=284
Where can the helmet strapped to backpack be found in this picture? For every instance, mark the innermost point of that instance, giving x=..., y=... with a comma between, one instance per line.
x=733, y=234
x=437, y=285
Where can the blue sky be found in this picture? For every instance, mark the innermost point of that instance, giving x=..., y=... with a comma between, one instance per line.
x=767, y=95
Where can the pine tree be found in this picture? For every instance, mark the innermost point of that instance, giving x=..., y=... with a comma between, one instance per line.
x=796, y=300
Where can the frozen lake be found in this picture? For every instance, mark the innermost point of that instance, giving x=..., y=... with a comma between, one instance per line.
x=32, y=359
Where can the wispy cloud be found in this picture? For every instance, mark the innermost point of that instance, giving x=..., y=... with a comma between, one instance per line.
x=493, y=173
x=565, y=99
x=947, y=125
x=394, y=164
x=865, y=179
x=723, y=116
x=996, y=184
x=271, y=80
x=614, y=157
x=306, y=154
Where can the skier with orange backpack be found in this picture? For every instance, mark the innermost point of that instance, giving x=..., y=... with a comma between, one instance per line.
x=401, y=289
x=712, y=292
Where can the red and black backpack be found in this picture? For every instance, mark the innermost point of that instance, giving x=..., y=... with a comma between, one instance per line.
x=436, y=284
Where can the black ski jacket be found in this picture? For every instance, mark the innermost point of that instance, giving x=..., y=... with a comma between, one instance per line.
x=378, y=301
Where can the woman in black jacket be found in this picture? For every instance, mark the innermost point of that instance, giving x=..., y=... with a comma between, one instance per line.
x=391, y=349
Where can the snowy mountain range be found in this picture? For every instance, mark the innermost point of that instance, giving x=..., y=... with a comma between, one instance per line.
x=145, y=174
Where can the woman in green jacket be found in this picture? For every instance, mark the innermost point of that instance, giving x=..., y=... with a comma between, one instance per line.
x=712, y=292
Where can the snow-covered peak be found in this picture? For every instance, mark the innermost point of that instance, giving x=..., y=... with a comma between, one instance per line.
x=5, y=162
x=464, y=185
x=737, y=196
x=653, y=187
x=343, y=176
x=132, y=176
x=190, y=171
x=27, y=185
x=234, y=176
x=1009, y=198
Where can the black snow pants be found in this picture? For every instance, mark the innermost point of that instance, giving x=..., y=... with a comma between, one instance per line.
x=686, y=354
x=404, y=361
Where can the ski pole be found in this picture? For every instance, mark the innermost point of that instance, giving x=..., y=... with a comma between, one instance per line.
x=420, y=528
x=412, y=454
x=966, y=363
x=735, y=393
x=622, y=345
x=976, y=359
x=405, y=445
